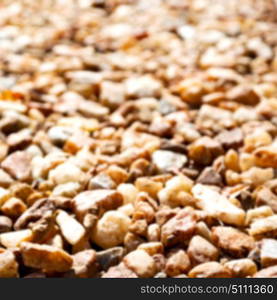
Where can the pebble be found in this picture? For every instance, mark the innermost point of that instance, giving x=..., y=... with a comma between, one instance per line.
x=111, y=229
x=166, y=161
x=70, y=228
x=44, y=257
x=8, y=265
x=65, y=173
x=18, y=165
x=200, y=250
x=210, y=270
x=177, y=263
x=241, y=268
x=268, y=252
x=217, y=205
x=141, y=263
x=233, y=241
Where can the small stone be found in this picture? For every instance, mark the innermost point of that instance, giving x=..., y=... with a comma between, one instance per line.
x=18, y=165
x=4, y=196
x=8, y=265
x=4, y=148
x=37, y=211
x=233, y=241
x=217, y=205
x=144, y=86
x=47, y=258
x=110, y=257
x=127, y=209
x=19, y=140
x=270, y=272
x=210, y=177
x=96, y=201
x=59, y=135
x=5, y=224
x=266, y=157
x=117, y=174
x=241, y=268
x=257, y=213
x=166, y=161
x=128, y=191
x=5, y=179
x=141, y=263
x=204, y=150
x=269, y=252
x=119, y=271
x=191, y=90
x=214, y=118
x=85, y=264
x=210, y=270
x=101, y=181
x=177, y=263
x=256, y=139
x=244, y=94
x=13, y=239
x=71, y=229
x=91, y=109
x=65, y=173
x=230, y=138
x=178, y=229
x=132, y=241
x=264, y=227
x=200, y=250
x=176, y=192
x=112, y=94
x=149, y=186
x=13, y=122
x=265, y=196
x=152, y=248
x=13, y=207
x=153, y=232
x=111, y=229
x=69, y=189
x=257, y=176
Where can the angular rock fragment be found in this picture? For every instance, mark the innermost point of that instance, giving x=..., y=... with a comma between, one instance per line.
x=13, y=239
x=209, y=177
x=217, y=205
x=13, y=207
x=37, y=211
x=110, y=257
x=264, y=227
x=269, y=252
x=266, y=157
x=111, y=229
x=200, y=250
x=46, y=258
x=5, y=179
x=233, y=241
x=210, y=270
x=8, y=265
x=240, y=268
x=18, y=165
x=179, y=228
x=70, y=228
x=119, y=271
x=177, y=263
x=96, y=202
x=204, y=150
x=270, y=272
x=141, y=263
x=168, y=161
x=85, y=264
x=5, y=224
